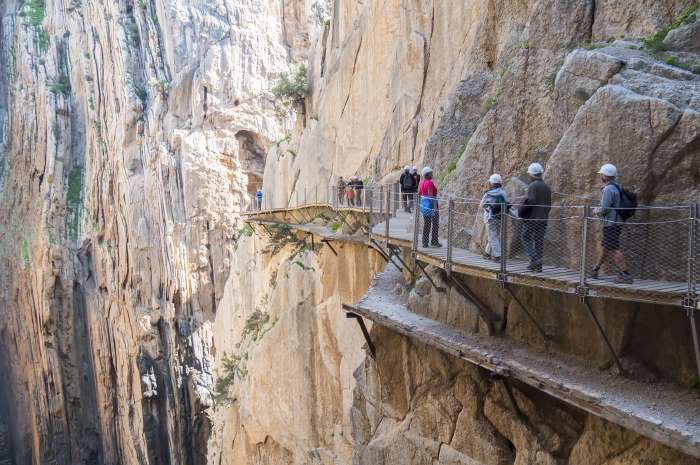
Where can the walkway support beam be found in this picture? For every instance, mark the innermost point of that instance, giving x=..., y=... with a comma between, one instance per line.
x=363, y=328
x=602, y=334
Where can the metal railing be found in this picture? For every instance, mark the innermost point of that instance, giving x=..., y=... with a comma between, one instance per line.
x=659, y=245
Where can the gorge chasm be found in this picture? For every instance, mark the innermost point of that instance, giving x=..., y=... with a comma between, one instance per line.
x=142, y=321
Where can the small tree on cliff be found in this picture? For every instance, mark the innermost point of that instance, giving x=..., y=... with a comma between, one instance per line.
x=290, y=91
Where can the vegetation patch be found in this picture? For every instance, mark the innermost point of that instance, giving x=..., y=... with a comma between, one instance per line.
x=25, y=254
x=255, y=326
x=655, y=43
x=490, y=102
x=34, y=12
x=74, y=202
x=42, y=40
x=60, y=85
x=290, y=91
x=232, y=368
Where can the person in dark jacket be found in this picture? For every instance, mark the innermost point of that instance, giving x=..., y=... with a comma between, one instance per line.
x=534, y=209
x=407, y=188
x=341, y=190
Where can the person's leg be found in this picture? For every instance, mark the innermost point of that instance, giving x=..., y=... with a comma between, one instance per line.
x=494, y=245
x=435, y=239
x=526, y=236
x=540, y=231
x=426, y=230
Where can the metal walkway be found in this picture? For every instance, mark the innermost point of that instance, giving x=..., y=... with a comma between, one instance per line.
x=661, y=245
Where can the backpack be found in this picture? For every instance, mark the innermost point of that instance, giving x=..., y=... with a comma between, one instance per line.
x=497, y=206
x=628, y=203
x=408, y=182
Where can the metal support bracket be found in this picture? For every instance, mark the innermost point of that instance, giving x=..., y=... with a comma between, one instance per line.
x=396, y=252
x=540, y=330
x=328, y=243
x=690, y=304
x=387, y=256
x=502, y=278
x=486, y=314
x=365, y=333
x=602, y=335
x=427, y=275
x=582, y=292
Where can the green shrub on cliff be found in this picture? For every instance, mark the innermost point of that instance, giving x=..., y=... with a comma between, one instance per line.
x=231, y=368
x=290, y=91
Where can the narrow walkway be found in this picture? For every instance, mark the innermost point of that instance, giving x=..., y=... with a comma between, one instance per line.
x=659, y=411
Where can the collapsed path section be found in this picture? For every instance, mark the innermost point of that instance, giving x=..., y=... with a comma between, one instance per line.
x=658, y=411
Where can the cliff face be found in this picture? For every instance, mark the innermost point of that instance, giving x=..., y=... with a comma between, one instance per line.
x=130, y=133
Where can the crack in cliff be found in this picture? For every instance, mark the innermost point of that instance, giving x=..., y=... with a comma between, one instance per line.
x=354, y=68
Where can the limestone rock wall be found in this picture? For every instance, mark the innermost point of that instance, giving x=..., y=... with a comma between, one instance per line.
x=130, y=133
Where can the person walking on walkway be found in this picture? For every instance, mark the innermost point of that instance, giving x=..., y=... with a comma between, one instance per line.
x=534, y=210
x=341, y=190
x=358, y=185
x=258, y=198
x=611, y=195
x=429, y=209
x=407, y=188
x=494, y=204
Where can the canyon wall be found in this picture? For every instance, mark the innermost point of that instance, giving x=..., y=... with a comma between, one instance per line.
x=132, y=132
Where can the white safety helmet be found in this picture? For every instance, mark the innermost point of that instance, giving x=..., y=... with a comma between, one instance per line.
x=608, y=170
x=495, y=179
x=427, y=170
x=535, y=169
x=414, y=169
x=406, y=168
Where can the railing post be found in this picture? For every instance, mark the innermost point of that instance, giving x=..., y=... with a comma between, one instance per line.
x=584, y=250
x=316, y=194
x=364, y=199
x=371, y=214
x=691, y=250
x=306, y=196
x=296, y=197
x=691, y=304
x=504, y=245
x=450, y=233
x=381, y=201
x=416, y=225
x=388, y=218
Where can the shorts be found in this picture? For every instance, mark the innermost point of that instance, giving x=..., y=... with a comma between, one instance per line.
x=611, y=237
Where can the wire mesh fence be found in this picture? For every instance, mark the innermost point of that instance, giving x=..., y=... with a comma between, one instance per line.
x=657, y=247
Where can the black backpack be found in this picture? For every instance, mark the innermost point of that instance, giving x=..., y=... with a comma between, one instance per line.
x=408, y=182
x=628, y=203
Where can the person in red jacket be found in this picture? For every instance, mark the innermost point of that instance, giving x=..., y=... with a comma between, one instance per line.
x=429, y=209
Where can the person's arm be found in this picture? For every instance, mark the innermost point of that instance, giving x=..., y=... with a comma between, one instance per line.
x=607, y=201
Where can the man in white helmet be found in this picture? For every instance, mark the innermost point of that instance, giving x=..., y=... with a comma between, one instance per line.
x=534, y=210
x=429, y=209
x=613, y=222
x=493, y=203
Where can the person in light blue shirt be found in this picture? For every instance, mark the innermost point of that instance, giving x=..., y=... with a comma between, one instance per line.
x=612, y=225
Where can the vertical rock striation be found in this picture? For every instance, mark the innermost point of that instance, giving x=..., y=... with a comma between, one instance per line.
x=130, y=132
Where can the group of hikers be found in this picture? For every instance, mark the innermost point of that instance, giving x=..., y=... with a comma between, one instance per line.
x=350, y=192
x=616, y=206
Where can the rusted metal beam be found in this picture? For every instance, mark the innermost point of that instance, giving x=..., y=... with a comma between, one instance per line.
x=603, y=336
x=540, y=330
x=363, y=328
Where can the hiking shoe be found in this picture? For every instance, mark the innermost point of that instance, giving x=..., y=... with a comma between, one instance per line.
x=438, y=245
x=537, y=267
x=593, y=273
x=486, y=256
x=624, y=278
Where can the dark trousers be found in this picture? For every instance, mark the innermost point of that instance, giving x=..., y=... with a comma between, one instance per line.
x=533, y=239
x=431, y=223
x=406, y=199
